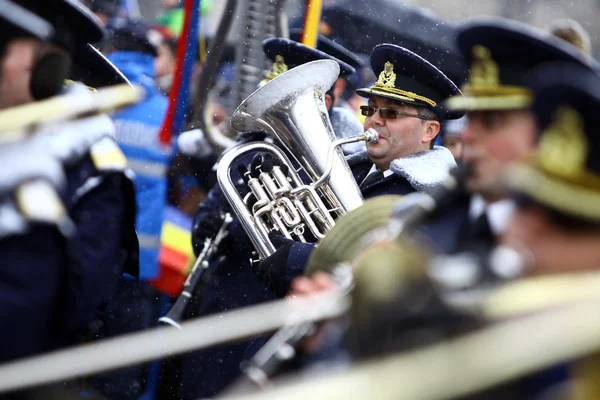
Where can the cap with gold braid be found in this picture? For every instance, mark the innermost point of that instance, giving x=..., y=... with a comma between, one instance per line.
x=564, y=174
x=287, y=54
x=500, y=53
x=75, y=30
x=408, y=77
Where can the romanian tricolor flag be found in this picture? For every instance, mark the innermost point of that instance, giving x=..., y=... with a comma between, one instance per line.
x=176, y=254
x=185, y=59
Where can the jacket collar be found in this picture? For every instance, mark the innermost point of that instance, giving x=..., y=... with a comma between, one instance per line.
x=424, y=171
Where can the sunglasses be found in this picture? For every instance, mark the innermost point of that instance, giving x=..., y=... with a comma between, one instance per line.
x=386, y=113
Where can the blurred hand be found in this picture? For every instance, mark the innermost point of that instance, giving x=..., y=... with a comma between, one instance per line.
x=206, y=228
x=320, y=282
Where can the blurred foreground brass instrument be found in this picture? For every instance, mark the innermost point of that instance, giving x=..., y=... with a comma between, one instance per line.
x=551, y=334
x=290, y=108
x=18, y=122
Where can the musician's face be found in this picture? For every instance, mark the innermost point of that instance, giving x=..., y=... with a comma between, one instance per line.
x=15, y=72
x=455, y=145
x=553, y=248
x=399, y=137
x=492, y=140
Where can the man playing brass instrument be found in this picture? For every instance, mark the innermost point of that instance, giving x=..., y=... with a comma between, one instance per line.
x=556, y=224
x=502, y=128
x=405, y=108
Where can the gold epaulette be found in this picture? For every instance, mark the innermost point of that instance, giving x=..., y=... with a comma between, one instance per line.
x=38, y=201
x=107, y=156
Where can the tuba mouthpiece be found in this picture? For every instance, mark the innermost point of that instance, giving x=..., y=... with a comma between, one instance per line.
x=371, y=136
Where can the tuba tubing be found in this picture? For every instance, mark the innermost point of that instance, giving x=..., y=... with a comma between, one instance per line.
x=251, y=221
x=291, y=108
x=256, y=232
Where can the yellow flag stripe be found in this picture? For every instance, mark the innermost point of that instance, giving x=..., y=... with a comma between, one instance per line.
x=311, y=23
x=176, y=238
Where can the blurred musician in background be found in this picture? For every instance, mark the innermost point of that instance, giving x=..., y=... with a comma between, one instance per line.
x=557, y=190
x=343, y=119
x=34, y=225
x=452, y=138
x=98, y=195
x=286, y=54
x=500, y=125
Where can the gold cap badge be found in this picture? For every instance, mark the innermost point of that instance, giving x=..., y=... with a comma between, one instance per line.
x=563, y=147
x=484, y=71
x=387, y=77
x=278, y=68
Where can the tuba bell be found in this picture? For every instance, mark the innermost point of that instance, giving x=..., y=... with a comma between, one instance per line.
x=290, y=108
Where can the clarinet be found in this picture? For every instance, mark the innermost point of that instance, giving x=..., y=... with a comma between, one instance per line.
x=199, y=270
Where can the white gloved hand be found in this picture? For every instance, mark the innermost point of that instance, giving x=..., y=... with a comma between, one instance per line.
x=194, y=144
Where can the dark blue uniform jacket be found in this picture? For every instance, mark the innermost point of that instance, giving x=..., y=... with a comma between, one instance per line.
x=102, y=206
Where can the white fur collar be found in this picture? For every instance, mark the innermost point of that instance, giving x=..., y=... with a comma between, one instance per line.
x=424, y=171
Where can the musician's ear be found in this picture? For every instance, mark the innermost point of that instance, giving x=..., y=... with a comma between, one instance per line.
x=431, y=129
x=48, y=73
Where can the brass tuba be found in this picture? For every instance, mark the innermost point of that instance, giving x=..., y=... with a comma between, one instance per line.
x=290, y=108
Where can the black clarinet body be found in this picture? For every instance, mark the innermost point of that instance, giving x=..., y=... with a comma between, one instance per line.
x=198, y=272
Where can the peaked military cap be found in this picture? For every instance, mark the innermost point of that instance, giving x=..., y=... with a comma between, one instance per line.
x=74, y=25
x=407, y=77
x=332, y=48
x=94, y=69
x=564, y=174
x=16, y=20
x=286, y=54
x=500, y=53
x=76, y=28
